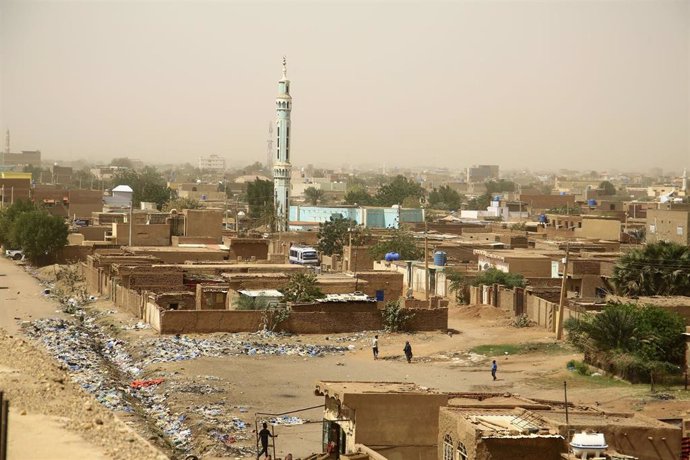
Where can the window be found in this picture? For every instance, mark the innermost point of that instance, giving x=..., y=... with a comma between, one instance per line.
x=447, y=448
x=652, y=228
x=462, y=452
x=679, y=230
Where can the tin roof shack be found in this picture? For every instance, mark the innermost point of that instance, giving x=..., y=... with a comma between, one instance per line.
x=527, y=263
x=485, y=433
x=377, y=416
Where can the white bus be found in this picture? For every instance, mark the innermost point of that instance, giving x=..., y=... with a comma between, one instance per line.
x=303, y=255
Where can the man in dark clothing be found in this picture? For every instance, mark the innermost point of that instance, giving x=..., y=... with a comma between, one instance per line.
x=408, y=351
x=494, y=368
x=263, y=437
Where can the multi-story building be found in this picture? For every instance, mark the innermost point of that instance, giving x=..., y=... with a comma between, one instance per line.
x=482, y=173
x=212, y=162
x=670, y=222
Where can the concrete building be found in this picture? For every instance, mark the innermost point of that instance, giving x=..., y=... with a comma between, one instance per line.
x=25, y=158
x=371, y=416
x=61, y=174
x=526, y=263
x=281, y=166
x=306, y=217
x=671, y=222
x=213, y=162
x=482, y=173
x=120, y=199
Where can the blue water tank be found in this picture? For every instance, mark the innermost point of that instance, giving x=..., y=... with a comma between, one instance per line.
x=563, y=193
x=391, y=256
x=497, y=198
x=440, y=258
x=543, y=219
x=591, y=202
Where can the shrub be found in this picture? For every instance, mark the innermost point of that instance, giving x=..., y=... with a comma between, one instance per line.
x=395, y=318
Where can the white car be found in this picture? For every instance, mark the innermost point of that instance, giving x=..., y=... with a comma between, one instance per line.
x=15, y=254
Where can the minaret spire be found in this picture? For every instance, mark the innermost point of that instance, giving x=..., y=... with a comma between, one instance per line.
x=281, y=164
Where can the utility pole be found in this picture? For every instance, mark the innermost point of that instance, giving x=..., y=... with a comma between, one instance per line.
x=561, y=304
x=426, y=260
x=131, y=214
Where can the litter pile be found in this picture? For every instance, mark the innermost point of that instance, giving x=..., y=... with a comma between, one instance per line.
x=100, y=363
x=181, y=348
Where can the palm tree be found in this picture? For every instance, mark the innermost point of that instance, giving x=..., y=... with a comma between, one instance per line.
x=661, y=268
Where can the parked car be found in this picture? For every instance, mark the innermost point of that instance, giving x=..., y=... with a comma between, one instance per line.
x=15, y=254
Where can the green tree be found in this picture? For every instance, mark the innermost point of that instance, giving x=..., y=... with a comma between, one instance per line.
x=479, y=203
x=397, y=240
x=333, y=234
x=359, y=196
x=607, y=188
x=260, y=197
x=661, y=268
x=652, y=334
x=500, y=186
x=123, y=162
x=313, y=195
x=148, y=185
x=496, y=276
x=181, y=203
x=8, y=216
x=458, y=285
x=444, y=198
x=397, y=190
x=39, y=234
x=301, y=287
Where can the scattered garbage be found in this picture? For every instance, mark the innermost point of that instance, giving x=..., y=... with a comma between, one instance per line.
x=145, y=383
x=285, y=420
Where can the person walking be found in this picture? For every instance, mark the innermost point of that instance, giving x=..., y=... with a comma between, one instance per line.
x=494, y=368
x=375, y=346
x=263, y=437
x=408, y=352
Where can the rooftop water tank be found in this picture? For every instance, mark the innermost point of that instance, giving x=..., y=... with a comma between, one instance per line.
x=440, y=258
x=391, y=256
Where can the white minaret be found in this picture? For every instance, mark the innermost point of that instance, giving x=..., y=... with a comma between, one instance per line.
x=281, y=165
x=684, y=186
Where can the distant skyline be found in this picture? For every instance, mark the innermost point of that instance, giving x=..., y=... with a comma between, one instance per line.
x=545, y=85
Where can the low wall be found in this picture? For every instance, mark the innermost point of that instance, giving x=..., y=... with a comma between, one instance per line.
x=200, y=321
x=129, y=300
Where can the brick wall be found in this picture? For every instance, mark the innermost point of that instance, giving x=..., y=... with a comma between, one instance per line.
x=200, y=321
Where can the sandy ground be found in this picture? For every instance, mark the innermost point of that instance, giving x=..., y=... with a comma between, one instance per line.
x=50, y=417
x=240, y=386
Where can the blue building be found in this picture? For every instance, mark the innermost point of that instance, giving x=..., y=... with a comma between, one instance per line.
x=308, y=217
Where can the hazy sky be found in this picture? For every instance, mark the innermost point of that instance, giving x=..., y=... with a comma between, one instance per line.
x=580, y=84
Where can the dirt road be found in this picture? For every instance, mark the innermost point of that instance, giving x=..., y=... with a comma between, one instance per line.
x=51, y=418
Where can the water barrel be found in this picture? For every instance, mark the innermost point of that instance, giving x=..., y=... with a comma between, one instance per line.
x=591, y=202
x=391, y=256
x=440, y=258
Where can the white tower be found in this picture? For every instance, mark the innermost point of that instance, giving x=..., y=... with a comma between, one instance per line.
x=281, y=165
x=684, y=186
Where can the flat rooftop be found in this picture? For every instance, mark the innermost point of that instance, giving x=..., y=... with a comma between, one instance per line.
x=340, y=388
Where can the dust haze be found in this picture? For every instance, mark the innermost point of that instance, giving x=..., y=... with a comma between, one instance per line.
x=588, y=84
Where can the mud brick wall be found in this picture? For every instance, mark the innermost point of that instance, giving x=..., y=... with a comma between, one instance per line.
x=199, y=321
x=248, y=248
x=91, y=276
x=157, y=281
x=129, y=300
